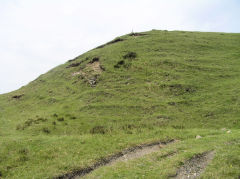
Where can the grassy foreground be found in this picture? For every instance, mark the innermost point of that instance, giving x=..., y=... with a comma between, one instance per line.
x=139, y=88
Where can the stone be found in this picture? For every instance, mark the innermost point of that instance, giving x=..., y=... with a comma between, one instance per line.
x=198, y=137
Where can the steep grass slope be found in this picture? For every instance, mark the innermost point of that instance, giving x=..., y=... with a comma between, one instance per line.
x=138, y=88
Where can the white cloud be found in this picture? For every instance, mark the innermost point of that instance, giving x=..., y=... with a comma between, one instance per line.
x=38, y=35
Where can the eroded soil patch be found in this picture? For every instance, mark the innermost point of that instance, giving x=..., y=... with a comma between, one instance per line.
x=125, y=155
x=194, y=167
x=91, y=72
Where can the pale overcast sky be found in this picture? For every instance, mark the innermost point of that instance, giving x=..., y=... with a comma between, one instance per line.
x=37, y=35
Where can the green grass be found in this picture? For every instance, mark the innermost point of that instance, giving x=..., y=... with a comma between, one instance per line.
x=163, y=85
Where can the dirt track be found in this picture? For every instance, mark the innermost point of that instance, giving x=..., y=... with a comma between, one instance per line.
x=128, y=154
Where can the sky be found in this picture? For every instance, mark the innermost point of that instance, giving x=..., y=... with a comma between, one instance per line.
x=37, y=35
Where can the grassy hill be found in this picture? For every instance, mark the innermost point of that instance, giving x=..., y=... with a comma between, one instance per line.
x=138, y=88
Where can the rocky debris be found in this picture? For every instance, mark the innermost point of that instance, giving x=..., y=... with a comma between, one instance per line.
x=194, y=167
x=90, y=72
x=92, y=81
x=76, y=73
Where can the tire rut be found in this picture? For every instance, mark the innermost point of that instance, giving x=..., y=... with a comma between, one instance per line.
x=125, y=155
x=195, y=166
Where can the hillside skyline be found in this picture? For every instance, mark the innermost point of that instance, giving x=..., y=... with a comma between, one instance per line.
x=37, y=36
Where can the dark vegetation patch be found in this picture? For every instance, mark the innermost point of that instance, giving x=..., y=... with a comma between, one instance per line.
x=177, y=126
x=115, y=41
x=55, y=115
x=23, y=151
x=98, y=130
x=18, y=96
x=70, y=116
x=136, y=34
x=46, y=130
x=130, y=55
x=95, y=59
x=119, y=64
x=60, y=119
x=169, y=154
x=111, y=42
x=74, y=59
x=77, y=63
x=129, y=126
x=126, y=64
x=73, y=117
x=209, y=114
x=179, y=89
x=30, y=122
x=23, y=155
x=163, y=117
x=179, y=103
x=73, y=65
x=108, y=160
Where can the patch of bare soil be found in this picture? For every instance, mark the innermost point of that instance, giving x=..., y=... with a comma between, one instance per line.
x=125, y=155
x=137, y=153
x=194, y=167
x=91, y=72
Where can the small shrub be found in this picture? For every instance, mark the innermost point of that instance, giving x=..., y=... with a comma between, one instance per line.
x=60, y=119
x=19, y=127
x=119, y=64
x=18, y=96
x=130, y=55
x=136, y=34
x=55, y=115
x=73, y=117
x=95, y=59
x=23, y=151
x=23, y=158
x=98, y=130
x=46, y=130
x=118, y=39
x=129, y=126
x=41, y=119
x=28, y=122
x=178, y=126
x=54, y=123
